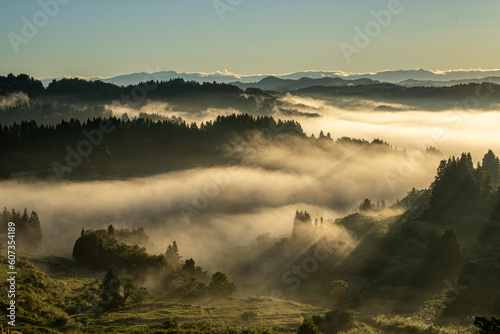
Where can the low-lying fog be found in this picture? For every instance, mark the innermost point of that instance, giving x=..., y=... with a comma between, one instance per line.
x=211, y=209
x=452, y=131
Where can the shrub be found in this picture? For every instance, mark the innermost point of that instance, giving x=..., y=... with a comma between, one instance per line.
x=308, y=327
x=338, y=288
x=248, y=316
x=220, y=285
x=317, y=319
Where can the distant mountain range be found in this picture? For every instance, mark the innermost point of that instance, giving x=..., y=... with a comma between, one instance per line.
x=408, y=78
x=431, y=83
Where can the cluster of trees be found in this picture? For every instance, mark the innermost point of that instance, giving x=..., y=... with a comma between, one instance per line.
x=20, y=83
x=303, y=228
x=411, y=198
x=186, y=279
x=367, y=205
x=28, y=229
x=462, y=189
x=113, y=291
x=136, y=236
x=302, y=224
x=101, y=249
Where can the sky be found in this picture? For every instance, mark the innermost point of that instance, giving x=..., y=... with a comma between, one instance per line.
x=107, y=38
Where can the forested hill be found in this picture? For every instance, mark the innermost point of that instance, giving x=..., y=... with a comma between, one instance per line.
x=100, y=91
x=23, y=98
x=115, y=147
x=140, y=144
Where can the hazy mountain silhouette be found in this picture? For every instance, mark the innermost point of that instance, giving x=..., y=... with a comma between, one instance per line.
x=431, y=83
x=279, y=84
x=228, y=77
x=135, y=78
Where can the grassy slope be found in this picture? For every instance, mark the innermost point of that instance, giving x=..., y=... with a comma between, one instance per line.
x=269, y=313
x=266, y=312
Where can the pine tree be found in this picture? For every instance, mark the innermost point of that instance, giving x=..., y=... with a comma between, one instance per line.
x=25, y=216
x=172, y=255
x=491, y=165
x=111, y=287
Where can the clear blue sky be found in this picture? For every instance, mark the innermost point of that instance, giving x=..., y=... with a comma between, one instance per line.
x=107, y=38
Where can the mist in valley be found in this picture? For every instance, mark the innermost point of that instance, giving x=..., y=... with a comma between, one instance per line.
x=207, y=210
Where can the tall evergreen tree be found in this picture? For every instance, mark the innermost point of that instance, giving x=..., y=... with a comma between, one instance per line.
x=491, y=165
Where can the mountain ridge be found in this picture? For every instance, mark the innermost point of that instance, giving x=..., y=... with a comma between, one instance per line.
x=391, y=76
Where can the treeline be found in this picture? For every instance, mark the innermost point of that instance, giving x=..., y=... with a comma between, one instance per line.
x=28, y=232
x=488, y=93
x=139, y=141
x=188, y=96
x=48, y=113
x=93, y=91
x=97, y=90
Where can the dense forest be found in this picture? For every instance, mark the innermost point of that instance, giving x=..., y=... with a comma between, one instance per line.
x=142, y=143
